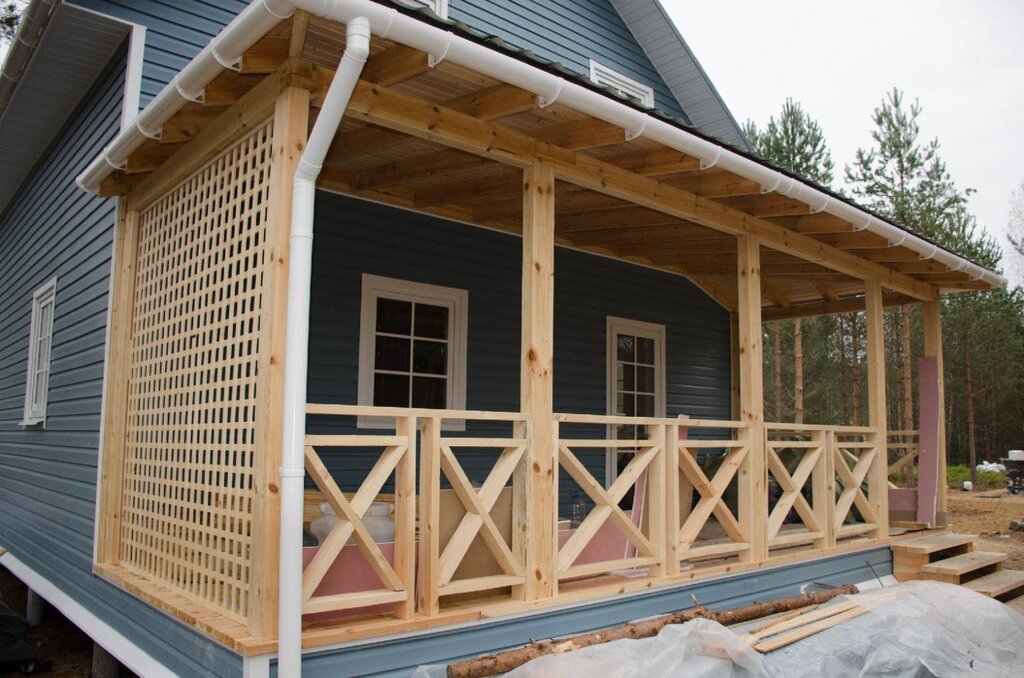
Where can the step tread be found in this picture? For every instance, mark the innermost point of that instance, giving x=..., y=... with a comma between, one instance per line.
x=997, y=583
x=964, y=563
x=932, y=543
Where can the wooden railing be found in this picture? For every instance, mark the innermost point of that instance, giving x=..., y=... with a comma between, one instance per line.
x=902, y=449
x=686, y=495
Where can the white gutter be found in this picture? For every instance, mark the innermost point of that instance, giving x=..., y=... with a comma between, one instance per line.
x=34, y=22
x=300, y=265
x=226, y=49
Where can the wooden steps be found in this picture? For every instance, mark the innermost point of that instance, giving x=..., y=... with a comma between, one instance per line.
x=951, y=558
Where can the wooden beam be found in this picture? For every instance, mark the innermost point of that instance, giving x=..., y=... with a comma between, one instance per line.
x=494, y=102
x=878, y=475
x=931, y=315
x=582, y=134
x=768, y=205
x=266, y=55
x=624, y=219
x=832, y=307
x=188, y=122
x=248, y=113
x=291, y=122
x=434, y=164
x=685, y=235
x=753, y=478
x=300, y=29
x=427, y=120
x=657, y=162
x=229, y=87
x=534, y=494
x=488, y=188
x=394, y=65
x=716, y=184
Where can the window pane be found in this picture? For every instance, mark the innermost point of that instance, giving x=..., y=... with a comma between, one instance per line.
x=645, y=379
x=39, y=396
x=645, y=351
x=430, y=357
x=394, y=316
x=392, y=354
x=645, y=406
x=627, y=404
x=627, y=377
x=626, y=348
x=429, y=392
x=391, y=390
x=431, y=321
x=625, y=432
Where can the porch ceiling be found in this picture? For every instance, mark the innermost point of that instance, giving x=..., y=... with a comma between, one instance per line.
x=379, y=155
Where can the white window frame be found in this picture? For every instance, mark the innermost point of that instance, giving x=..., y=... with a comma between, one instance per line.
x=607, y=77
x=438, y=7
x=456, y=300
x=35, y=407
x=638, y=328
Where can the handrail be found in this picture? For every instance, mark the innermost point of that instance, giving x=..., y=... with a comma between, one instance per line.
x=418, y=412
x=651, y=421
x=781, y=426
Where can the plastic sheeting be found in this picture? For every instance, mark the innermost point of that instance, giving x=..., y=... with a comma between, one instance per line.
x=914, y=629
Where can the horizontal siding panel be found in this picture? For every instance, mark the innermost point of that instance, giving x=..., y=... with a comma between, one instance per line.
x=48, y=476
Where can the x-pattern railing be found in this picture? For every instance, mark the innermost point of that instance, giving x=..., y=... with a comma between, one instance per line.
x=809, y=449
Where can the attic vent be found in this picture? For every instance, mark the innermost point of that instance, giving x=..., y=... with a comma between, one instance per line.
x=438, y=7
x=602, y=75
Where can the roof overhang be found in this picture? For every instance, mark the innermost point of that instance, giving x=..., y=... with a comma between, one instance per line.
x=634, y=185
x=58, y=54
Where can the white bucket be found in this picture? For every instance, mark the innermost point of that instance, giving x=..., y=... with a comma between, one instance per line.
x=968, y=486
x=1016, y=455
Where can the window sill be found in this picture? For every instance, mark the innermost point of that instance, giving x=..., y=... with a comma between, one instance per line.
x=32, y=423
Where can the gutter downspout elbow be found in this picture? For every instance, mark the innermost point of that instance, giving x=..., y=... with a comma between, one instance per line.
x=297, y=344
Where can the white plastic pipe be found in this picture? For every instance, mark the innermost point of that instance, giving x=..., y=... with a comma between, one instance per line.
x=442, y=45
x=300, y=265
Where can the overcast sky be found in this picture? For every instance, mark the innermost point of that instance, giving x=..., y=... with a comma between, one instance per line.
x=963, y=60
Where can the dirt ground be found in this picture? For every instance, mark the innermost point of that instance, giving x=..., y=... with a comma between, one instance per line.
x=56, y=639
x=988, y=515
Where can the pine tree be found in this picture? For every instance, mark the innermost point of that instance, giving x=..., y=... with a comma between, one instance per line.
x=10, y=17
x=795, y=142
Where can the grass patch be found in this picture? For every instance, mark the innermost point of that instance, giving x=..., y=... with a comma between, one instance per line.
x=987, y=480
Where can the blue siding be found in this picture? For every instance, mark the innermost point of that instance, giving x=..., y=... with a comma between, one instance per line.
x=570, y=32
x=400, y=656
x=48, y=476
x=355, y=237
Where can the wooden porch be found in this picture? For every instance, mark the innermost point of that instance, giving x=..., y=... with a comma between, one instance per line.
x=191, y=505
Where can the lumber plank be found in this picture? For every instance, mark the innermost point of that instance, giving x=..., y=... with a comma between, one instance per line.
x=809, y=630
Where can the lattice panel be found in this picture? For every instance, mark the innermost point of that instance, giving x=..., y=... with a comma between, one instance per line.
x=190, y=430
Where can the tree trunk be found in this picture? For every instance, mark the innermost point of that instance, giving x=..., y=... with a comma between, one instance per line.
x=503, y=662
x=908, y=380
x=798, y=372
x=777, y=374
x=844, y=396
x=969, y=388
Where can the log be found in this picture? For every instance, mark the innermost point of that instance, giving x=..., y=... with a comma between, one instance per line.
x=503, y=662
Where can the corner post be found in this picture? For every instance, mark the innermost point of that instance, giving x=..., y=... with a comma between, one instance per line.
x=932, y=316
x=753, y=476
x=535, y=503
x=878, y=479
x=291, y=119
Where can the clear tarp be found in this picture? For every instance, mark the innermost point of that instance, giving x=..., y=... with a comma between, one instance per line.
x=912, y=629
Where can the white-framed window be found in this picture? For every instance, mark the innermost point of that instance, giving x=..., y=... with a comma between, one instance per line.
x=636, y=382
x=438, y=7
x=412, y=346
x=626, y=86
x=40, y=342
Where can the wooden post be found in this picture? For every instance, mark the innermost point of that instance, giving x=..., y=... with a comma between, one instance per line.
x=291, y=123
x=430, y=490
x=672, y=498
x=121, y=295
x=932, y=317
x=753, y=477
x=655, y=500
x=878, y=475
x=823, y=490
x=734, y=362
x=535, y=503
x=405, y=518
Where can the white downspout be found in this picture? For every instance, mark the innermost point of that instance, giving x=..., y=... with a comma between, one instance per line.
x=300, y=264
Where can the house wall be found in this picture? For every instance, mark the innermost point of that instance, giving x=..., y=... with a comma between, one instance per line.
x=48, y=476
x=355, y=237
x=570, y=32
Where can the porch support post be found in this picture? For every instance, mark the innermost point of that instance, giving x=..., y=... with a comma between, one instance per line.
x=931, y=312
x=291, y=120
x=753, y=477
x=534, y=504
x=878, y=475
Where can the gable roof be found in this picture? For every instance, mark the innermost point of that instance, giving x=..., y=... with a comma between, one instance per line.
x=679, y=68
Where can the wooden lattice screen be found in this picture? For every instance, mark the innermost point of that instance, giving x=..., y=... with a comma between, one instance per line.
x=187, y=504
